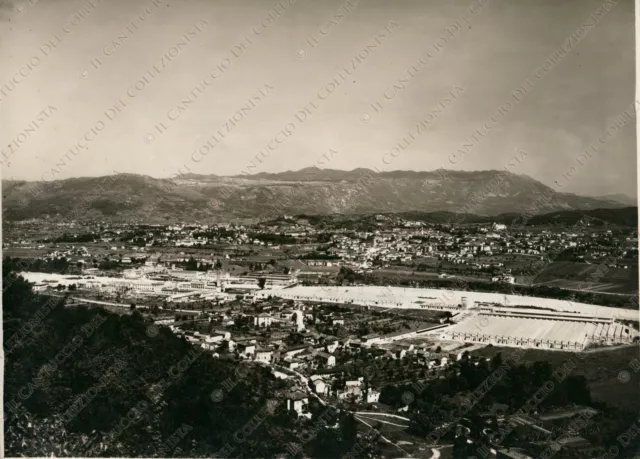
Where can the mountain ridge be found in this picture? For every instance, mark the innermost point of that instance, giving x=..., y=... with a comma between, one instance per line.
x=307, y=191
x=619, y=197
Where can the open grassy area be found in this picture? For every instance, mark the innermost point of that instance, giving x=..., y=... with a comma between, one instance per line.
x=566, y=274
x=390, y=423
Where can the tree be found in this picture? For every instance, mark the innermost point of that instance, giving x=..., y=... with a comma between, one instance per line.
x=332, y=443
x=348, y=430
x=261, y=282
x=132, y=307
x=294, y=339
x=496, y=361
x=192, y=264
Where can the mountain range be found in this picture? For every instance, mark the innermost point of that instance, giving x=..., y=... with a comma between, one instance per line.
x=312, y=191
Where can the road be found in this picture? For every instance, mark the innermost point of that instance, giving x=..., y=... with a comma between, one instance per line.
x=305, y=381
x=307, y=388
x=591, y=289
x=382, y=436
x=597, y=350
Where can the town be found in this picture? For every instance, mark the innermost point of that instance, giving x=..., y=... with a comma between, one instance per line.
x=312, y=299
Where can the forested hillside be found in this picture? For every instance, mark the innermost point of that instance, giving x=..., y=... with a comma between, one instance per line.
x=85, y=382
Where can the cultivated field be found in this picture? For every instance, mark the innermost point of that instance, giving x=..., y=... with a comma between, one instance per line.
x=590, y=277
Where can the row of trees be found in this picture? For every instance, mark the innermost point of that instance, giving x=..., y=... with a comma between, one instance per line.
x=193, y=265
x=53, y=265
x=84, y=237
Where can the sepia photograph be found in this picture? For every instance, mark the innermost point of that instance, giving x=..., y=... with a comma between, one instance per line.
x=320, y=229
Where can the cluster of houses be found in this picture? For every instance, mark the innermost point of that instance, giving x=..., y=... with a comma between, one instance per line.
x=395, y=240
x=411, y=241
x=300, y=357
x=315, y=358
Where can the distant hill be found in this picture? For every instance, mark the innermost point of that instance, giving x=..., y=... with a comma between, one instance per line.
x=312, y=191
x=309, y=174
x=626, y=216
x=621, y=198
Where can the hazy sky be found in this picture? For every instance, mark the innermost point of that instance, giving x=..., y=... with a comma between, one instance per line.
x=570, y=103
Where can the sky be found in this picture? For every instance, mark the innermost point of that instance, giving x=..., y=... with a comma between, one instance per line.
x=308, y=74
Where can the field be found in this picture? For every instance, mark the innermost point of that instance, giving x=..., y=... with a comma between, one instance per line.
x=514, y=261
x=406, y=445
x=390, y=423
x=20, y=252
x=590, y=277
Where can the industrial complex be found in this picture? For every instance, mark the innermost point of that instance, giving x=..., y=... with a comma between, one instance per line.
x=489, y=318
x=475, y=317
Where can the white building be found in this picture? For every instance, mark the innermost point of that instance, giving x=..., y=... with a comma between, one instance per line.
x=332, y=346
x=246, y=350
x=321, y=387
x=263, y=320
x=373, y=396
x=297, y=402
x=327, y=359
x=264, y=356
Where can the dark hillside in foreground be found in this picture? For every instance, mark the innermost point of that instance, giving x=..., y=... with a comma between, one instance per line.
x=81, y=372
